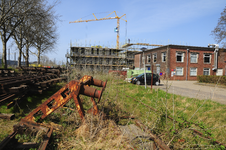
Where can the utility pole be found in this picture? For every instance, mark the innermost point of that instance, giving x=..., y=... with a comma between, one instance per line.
x=151, y=76
x=143, y=58
x=187, y=66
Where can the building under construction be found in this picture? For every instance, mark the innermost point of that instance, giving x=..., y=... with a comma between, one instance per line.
x=100, y=59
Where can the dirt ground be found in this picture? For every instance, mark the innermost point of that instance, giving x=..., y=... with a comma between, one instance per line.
x=194, y=89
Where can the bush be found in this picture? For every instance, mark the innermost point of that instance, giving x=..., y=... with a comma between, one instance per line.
x=212, y=79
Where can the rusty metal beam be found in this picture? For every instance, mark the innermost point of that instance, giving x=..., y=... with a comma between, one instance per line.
x=61, y=97
x=89, y=80
x=161, y=144
x=94, y=110
x=71, y=90
x=7, y=140
x=54, y=102
x=208, y=137
x=44, y=144
x=79, y=106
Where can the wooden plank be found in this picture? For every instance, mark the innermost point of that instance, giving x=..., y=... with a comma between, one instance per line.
x=7, y=116
x=7, y=139
x=27, y=145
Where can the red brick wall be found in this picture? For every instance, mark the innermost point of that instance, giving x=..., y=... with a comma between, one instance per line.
x=222, y=61
x=200, y=65
x=159, y=52
x=137, y=60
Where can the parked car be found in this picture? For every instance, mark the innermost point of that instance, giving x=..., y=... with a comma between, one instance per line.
x=140, y=79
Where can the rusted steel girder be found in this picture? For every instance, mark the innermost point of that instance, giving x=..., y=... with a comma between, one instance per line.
x=70, y=90
x=44, y=144
x=60, y=98
x=7, y=140
x=27, y=127
x=160, y=143
x=89, y=80
x=94, y=110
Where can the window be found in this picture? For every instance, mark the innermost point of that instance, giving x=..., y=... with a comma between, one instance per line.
x=179, y=71
x=180, y=57
x=155, y=57
x=164, y=57
x=148, y=75
x=206, y=58
x=148, y=58
x=206, y=71
x=194, y=57
x=193, y=71
x=155, y=76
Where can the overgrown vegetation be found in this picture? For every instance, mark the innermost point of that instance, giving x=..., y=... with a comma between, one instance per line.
x=212, y=79
x=124, y=99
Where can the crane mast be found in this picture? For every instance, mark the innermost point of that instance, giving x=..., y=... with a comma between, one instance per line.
x=106, y=18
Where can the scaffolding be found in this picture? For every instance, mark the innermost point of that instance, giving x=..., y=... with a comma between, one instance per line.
x=104, y=59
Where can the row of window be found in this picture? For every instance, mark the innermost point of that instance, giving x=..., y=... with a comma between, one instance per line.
x=193, y=71
x=193, y=57
x=154, y=57
x=180, y=57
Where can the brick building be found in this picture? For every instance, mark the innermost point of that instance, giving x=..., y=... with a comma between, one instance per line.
x=183, y=62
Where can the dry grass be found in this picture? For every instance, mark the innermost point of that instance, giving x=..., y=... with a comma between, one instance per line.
x=99, y=133
x=6, y=127
x=95, y=133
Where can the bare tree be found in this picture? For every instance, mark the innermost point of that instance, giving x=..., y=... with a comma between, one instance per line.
x=219, y=31
x=44, y=59
x=37, y=29
x=23, y=34
x=21, y=40
x=12, y=13
x=45, y=36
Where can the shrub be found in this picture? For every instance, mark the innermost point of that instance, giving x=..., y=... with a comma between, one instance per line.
x=212, y=79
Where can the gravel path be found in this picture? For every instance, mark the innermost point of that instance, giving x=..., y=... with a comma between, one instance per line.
x=194, y=89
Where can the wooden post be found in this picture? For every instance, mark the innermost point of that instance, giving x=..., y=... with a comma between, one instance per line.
x=7, y=116
x=151, y=76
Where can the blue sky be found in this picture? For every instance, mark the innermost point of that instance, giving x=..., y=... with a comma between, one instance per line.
x=183, y=22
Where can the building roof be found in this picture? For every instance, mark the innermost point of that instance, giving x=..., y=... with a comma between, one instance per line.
x=180, y=47
x=144, y=44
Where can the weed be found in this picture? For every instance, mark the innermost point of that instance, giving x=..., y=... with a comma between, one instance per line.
x=102, y=131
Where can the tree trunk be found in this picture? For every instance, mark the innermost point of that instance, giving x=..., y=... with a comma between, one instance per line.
x=4, y=52
x=19, y=58
x=39, y=55
x=20, y=48
x=27, y=55
x=4, y=60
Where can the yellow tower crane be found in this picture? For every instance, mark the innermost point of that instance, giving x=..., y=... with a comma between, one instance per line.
x=106, y=18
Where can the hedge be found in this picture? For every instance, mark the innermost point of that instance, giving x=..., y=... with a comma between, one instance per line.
x=212, y=79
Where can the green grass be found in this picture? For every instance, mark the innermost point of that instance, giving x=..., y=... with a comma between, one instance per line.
x=22, y=109
x=199, y=114
x=205, y=116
